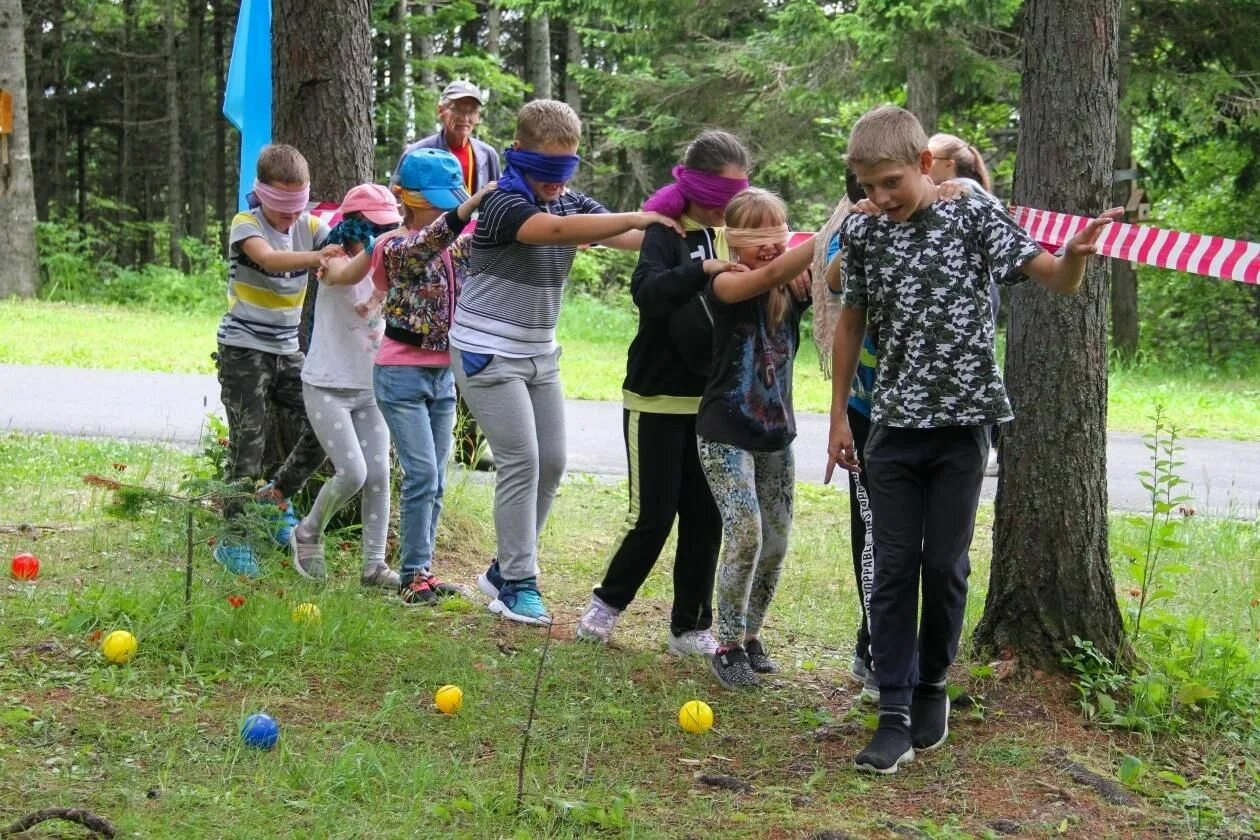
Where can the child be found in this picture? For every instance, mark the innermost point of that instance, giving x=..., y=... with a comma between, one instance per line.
x=745, y=425
x=337, y=388
x=503, y=344
x=420, y=269
x=918, y=276
x=666, y=368
x=270, y=250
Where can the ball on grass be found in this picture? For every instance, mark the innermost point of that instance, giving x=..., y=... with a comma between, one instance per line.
x=260, y=731
x=305, y=613
x=695, y=717
x=449, y=699
x=24, y=566
x=119, y=647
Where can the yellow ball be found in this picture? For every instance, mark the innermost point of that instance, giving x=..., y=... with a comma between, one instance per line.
x=449, y=699
x=305, y=613
x=695, y=717
x=118, y=647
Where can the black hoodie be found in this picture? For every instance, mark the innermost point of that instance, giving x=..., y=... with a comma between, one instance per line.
x=667, y=365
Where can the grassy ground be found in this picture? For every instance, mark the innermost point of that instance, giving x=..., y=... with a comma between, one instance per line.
x=153, y=745
x=1203, y=401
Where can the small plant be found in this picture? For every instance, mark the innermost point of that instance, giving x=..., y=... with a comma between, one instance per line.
x=1097, y=680
x=1161, y=482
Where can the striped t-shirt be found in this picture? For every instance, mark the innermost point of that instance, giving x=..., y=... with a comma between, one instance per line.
x=264, y=309
x=510, y=301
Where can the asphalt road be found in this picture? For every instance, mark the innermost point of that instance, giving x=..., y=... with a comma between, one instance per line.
x=1224, y=476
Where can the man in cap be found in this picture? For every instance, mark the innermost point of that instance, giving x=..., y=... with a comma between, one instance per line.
x=459, y=111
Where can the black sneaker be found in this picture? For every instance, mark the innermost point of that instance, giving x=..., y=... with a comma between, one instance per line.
x=417, y=593
x=889, y=749
x=440, y=588
x=759, y=659
x=929, y=716
x=732, y=669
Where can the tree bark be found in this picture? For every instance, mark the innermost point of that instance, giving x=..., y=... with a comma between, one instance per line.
x=1124, y=284
x=399, y=82
x=35, y=87
x=218, y=157
x=494, y=28
x=572, y=63
x=126, y=146
x=17, y=186
x=195, y=111
x=1051, y=576
x=175, y=157
x=923, y=83
x=538, y=70
x=422, y=46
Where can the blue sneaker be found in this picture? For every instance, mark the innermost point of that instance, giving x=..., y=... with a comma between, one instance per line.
x=238, y=558
x=520, y=600
x=284, y=518
x=491, y=580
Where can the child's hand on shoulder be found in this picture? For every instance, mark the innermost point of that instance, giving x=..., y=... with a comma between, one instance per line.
x=645, y=219
x=867, y=208
x=952, y=190
x=329, y=252
x=712, y=266
x=480, y=194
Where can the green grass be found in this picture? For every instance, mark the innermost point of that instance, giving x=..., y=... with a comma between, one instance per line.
x=153, y=745
x=1203, y=401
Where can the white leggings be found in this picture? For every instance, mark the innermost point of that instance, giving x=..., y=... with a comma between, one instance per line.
x=354, y=436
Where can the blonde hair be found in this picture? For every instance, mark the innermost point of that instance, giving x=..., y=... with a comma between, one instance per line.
x=545, y=121
x=279, y=163
x=967, y=159
x=826, y=303
x=886, y=134
x=754, y=207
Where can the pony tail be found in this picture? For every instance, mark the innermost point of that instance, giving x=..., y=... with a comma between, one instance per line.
x=777, y=307
x=980, y=169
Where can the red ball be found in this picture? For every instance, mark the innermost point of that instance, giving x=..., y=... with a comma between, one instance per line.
x=25, y=567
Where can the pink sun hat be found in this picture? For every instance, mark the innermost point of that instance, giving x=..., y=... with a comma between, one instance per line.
x=375, y=202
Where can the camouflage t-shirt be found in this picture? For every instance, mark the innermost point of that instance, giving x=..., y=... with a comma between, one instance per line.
x=925, y=286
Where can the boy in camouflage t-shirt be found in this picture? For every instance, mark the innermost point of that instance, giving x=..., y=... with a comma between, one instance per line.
x=917, y=278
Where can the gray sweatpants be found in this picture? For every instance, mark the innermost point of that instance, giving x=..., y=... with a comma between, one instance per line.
x=519, y=404
x=754, y=491
x=353, y=433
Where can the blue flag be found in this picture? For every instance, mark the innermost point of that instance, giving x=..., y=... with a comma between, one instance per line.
x=247, y=97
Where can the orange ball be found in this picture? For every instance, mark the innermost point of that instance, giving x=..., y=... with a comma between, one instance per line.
x=24, y=567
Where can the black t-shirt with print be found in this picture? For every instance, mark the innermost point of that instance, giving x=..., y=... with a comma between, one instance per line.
x=924, y=284
x=748, y=399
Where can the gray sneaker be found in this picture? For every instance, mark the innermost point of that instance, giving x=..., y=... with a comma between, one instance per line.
x=692, y=643
x=870, y=689
x=379, y=575
x=597, y=623
x=308, y=558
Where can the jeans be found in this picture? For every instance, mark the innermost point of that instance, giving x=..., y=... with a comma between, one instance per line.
x=418, y=404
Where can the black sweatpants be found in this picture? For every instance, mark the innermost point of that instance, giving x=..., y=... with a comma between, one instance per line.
x=860, y=535
x=925, y=485
x=666, y=481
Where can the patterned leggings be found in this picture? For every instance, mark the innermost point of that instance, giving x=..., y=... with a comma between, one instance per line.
x=754, y=492
x=354, y=435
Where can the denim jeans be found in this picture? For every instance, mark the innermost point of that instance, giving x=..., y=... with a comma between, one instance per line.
x=418, y=404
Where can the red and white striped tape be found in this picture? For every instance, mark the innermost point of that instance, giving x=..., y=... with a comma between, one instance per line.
x=1195, y=253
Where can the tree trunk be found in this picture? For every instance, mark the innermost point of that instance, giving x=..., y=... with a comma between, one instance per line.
x=219, y=186
x=196, y=99
x=35, y=87
x=1051, y=576
x=422, y=46
x=175, y=157
x=572, y=63
x=17, y=186
x=538, y=70
x=56, y=131
x=494, y=28
x=1124, y=288
x=322, y=95
x=399, y=83
x=126, y=147
x=923, y=83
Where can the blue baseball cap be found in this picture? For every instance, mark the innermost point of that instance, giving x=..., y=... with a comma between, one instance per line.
x=436, y=175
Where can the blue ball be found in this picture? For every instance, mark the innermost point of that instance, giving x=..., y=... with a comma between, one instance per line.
x=260, y=731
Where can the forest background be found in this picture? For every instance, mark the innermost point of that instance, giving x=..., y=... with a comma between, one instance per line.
x=135, y=169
